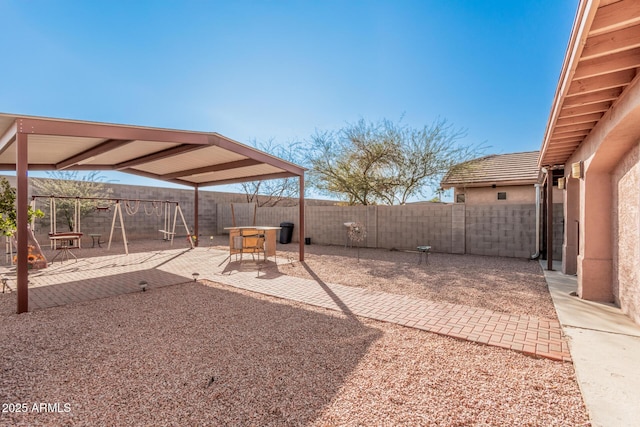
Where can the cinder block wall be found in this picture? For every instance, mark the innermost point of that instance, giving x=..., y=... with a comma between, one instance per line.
x=408, y=226
x=503, y=230
x=497, y=230
x=325, y=224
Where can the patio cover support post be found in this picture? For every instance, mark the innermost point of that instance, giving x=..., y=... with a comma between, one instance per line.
x=301, y=213
x=21, y=208
x=195, y=215
x=550, y=220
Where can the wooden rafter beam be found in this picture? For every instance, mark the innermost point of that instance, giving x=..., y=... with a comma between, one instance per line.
x=159, y=155
x=605, y=81
x=573, y=120
x=568, y=140
x=563, y=149
x=92, y=152
x=598, y=107
x=593, y=98
x=579, y=127
x=628, y=59
x=612, y=42
x=213, y=168
x=614, y=16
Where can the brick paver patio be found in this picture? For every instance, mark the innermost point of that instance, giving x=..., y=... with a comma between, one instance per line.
x=108, y=275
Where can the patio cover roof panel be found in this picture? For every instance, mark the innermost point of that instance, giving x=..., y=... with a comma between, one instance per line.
x=47, y=149
x=128, y=151
x=206, y=156
x=164, y=154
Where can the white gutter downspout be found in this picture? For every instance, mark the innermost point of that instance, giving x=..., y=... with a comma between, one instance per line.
x=537, y=254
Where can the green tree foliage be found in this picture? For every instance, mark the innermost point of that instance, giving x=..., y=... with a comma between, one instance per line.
x=70, y=184
x=272, y=191
x=8, y=214
x=384, y=163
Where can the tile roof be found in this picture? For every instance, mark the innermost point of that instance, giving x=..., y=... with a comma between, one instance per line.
x=507, y=169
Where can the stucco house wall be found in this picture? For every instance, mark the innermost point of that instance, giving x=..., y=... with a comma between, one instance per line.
x=516, y=194
x=626, y=232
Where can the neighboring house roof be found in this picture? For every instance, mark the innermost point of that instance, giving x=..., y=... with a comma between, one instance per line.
x=503, y=169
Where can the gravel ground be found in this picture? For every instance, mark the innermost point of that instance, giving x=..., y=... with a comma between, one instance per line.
x=207, y=354
x=197, y=354
x=508, y=285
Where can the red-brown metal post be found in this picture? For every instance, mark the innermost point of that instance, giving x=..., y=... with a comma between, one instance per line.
x=195, y=215
x=22, y=161
x=301, y=213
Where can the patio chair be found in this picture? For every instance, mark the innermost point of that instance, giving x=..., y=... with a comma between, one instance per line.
x=253, y=242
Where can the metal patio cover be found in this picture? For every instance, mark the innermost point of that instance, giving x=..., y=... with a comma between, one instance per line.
x=195, y=159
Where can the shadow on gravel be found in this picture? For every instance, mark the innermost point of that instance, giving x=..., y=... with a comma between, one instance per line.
x=189, y=354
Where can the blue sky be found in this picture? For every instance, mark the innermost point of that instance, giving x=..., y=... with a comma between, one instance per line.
x=256, y=70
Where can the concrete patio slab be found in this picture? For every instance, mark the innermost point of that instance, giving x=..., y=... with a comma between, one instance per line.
x=605, y=349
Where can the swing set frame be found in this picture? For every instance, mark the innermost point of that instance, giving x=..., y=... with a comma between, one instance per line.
x=163, y=206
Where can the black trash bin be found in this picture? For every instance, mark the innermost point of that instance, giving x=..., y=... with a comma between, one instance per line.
x=286, y=233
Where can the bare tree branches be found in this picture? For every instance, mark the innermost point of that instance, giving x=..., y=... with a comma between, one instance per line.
x=271, y=192
x=384, y=163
